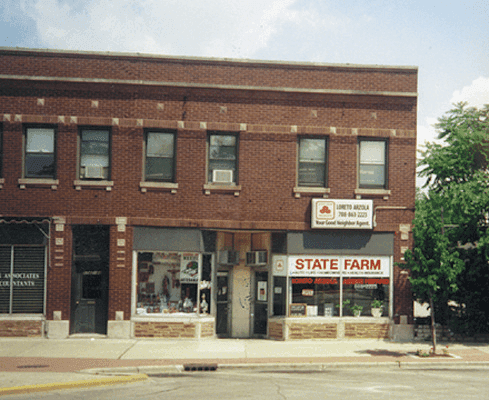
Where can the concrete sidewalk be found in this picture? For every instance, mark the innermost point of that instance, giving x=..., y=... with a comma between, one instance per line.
x=26, y=363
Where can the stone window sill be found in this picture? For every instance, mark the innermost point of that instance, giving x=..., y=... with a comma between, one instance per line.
x=303, y=190
x=361, y=193
x=159, y=186
x=107, y=185
x=32, y=182
x=211, y=187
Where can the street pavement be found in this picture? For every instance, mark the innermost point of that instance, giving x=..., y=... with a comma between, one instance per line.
x=36, y=364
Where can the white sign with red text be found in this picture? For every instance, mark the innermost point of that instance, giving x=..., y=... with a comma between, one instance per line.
x=326, y=265
x=341, y=214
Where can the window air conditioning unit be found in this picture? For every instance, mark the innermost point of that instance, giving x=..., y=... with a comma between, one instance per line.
x=257, y=257
x=222, y=176
x=229, y=257
x=94, y=172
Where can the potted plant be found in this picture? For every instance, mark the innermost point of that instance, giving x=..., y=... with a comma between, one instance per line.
x=376, y=308
x=355, y=309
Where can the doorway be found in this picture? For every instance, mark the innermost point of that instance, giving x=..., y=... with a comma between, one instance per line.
x=260, y=312
x=90, y=279
x=223, y=304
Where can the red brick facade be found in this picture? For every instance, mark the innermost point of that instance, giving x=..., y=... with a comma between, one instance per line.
x=268, y=104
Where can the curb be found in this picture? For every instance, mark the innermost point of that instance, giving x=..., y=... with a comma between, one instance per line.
x=114, y=380
x=155, y=369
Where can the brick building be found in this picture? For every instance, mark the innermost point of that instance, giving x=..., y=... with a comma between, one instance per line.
x=157, y=196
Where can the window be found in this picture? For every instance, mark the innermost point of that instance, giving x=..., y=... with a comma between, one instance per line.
x=223, y=158
x=22, y=268
x=167, y=283
x=312, y=162
x=372, y=164
x=160, y=157
x=40, y=153
x=95, y=154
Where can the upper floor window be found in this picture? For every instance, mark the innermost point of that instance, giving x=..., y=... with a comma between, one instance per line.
x=94, y=153
x=223, y=158
x=160, y=157
x=40, y=156
x=312, y=162
x=372, y=164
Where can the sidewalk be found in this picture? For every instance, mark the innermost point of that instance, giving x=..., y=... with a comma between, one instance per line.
x=27, y=361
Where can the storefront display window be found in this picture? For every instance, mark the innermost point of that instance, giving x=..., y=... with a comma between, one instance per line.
x=321, y=295
x=360, y=293
x=168, y=283
x=334, y=286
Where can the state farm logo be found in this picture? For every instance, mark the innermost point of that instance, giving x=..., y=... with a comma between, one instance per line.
x=325, y=210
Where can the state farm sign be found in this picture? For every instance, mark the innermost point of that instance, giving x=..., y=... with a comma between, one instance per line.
x=326, y=265
x=341, y=214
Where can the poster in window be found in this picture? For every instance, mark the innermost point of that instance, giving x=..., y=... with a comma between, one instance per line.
x=262, y=291
x=190, y=268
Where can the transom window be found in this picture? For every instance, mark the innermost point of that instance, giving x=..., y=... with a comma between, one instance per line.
x=312, y=162
x=40, y=153
x=372, y=164
x=223, y=158
x=95, y=154
x=160, y=156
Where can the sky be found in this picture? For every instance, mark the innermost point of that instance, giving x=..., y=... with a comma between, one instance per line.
x=447, y=40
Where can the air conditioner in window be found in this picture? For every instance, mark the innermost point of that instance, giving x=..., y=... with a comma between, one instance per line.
x=229, y=257
x=257, y=257
x=94, y=172
x=222, y=176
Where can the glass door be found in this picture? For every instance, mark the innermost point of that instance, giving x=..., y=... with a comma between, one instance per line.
x=260, y=314
x=223, y=304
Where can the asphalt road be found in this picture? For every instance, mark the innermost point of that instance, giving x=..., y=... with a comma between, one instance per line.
x=336, y=383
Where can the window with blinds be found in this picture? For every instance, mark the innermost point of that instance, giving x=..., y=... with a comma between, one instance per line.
x=22, y=273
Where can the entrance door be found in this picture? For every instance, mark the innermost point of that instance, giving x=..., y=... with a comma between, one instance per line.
x=89, y=308
x=90, y=279
x=222, y=304
x=260, y=313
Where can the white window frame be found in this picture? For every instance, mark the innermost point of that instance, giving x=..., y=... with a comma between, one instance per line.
x=172, y=157
x=210, y=169
x=49, y=149
x=373, y=162
x=106, y=168
x=323, y=162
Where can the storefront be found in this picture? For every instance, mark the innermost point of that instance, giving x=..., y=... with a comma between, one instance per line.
x=172, y=277
x=23, y=267
x=332, y=282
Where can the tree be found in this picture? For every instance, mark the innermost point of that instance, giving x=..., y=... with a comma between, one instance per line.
x=434, y=263
x=451, y=239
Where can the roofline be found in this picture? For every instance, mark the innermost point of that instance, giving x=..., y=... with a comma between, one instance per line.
x=242, y=61
x=204, y=86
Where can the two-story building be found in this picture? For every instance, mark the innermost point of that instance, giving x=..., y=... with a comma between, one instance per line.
x=158, y=196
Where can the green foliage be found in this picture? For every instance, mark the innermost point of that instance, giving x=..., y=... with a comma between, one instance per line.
x=451, y=236
x=465, y=131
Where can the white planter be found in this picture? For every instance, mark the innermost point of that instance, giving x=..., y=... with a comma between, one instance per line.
x=376, y=312
x=357, y=313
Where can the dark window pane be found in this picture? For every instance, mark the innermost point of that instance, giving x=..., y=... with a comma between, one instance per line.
x=159, y=168
x=39, y=165
x=28, y=280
